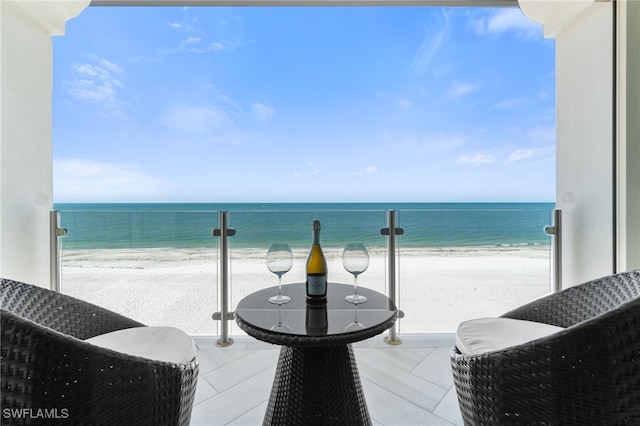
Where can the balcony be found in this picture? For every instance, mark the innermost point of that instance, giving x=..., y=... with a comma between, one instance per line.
x=600, y=212
x=449, y=257
x=160, y=264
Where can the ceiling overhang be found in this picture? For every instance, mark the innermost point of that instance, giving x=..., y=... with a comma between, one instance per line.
x=477, y=3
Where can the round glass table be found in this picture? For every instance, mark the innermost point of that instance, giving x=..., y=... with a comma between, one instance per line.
x=317, y=380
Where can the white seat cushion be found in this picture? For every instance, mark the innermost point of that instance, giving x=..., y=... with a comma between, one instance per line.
x=483, y=335
x=167, y=344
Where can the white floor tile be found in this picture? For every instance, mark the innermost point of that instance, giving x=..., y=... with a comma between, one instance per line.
x=449, y=409
x=226, y=407
x=241, y=369
x=388, y=409
x=435, y=368
x=405, y=385
x=414, y=389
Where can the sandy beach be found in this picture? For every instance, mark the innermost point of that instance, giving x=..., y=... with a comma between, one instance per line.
x=438, y=287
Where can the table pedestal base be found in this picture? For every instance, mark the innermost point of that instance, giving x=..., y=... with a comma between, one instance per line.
x=317, y=386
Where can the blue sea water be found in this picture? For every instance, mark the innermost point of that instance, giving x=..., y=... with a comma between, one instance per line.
x=96, y=226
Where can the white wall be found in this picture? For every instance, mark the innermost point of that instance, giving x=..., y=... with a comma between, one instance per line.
x=25, y=136
x=585, y=190
x=629, y=136
x=585, y=145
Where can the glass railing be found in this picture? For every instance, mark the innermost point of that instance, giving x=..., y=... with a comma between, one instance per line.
x=460, y=262
x=156, y=265
x=159, y=263
x=339, y=227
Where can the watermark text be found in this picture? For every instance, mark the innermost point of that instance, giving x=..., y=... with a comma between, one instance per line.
x=35, y=413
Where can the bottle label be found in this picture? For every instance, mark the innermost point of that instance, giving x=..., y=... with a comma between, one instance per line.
x=316, y=286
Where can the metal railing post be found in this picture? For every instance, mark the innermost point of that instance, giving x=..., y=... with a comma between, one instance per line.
x=223, y=315
x=55, y=232
x=391, y=231
x=555, y=231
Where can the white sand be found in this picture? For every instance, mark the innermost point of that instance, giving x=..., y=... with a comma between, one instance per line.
x=438, y=287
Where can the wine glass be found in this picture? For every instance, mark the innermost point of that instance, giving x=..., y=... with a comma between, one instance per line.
x=355, y=325
x=280, y=327
x=355, y=259
x=279, y=261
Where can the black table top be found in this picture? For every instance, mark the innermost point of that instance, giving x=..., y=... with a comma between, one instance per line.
x=312, y=325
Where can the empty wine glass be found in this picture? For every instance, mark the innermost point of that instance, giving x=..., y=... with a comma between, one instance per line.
x=355, y=325
x=280, y=327
x=279, y=261
x=355, y=259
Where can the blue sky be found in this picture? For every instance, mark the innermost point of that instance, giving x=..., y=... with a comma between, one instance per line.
x=307, y=104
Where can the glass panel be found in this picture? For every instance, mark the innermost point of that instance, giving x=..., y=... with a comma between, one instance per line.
x=153, y=263
x=160, y=265
x=463, y=261
x=256, y=229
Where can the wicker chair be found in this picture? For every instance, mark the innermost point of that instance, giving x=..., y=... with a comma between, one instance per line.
x=587, y=374
x=49, y=375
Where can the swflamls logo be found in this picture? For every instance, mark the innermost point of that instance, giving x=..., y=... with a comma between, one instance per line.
x=35, y=413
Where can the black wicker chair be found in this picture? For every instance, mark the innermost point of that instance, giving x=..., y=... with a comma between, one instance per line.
x=587, y=374
x=50, y=375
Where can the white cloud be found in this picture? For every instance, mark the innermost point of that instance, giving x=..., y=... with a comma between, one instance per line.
x=366, y=171
x=419, y=144
x=221, y=45
x=443, y=142
x=262, y=112
x=98, y=82
x=214, y=46
x=196, y=44
x=405, y=103
x=508, y=104
x=197, y=118
x=435, y=35
x=511, y=19
x=180, y=26
x=92, y=181
x=477, y=159
x=460, y=89
x=108, y=65
x=94, y=84
x=543, y=134
x=310, y=171
x=519, y=155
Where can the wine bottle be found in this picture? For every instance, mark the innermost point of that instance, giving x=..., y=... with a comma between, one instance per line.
x=316, y=269
x=316, y=321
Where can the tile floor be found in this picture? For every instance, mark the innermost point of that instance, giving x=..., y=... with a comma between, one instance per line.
x=405, y=385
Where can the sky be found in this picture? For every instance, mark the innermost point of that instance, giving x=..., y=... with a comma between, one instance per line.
x=303, y=104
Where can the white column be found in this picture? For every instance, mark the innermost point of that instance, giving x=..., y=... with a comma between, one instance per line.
x=25, y=134
x=585, y=185
x=628, y=97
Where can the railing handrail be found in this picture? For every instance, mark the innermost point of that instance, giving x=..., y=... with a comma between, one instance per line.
x=391, y=231
x=224, y=315
x=555, y=230
x=55, y=232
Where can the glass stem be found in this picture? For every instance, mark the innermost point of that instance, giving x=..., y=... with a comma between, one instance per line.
x=279, y=285
x=355, y=284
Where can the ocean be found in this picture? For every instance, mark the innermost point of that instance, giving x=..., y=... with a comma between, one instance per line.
x=256, y=225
